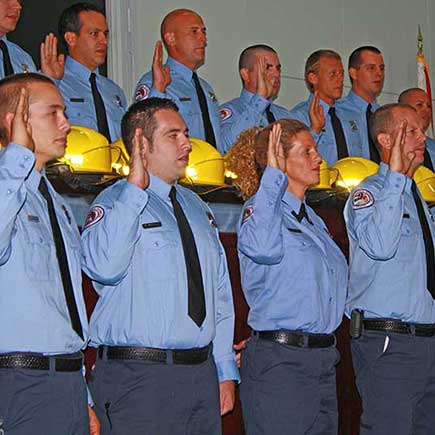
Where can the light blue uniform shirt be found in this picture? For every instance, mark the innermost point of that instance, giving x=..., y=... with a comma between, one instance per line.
x=430, y=146
x=387, y=253
x=183, y=92
x=134, y=255
x=33, y=312
x=77, y=95
x=246, y=111
x=21, y=60
x=326, y=144
x=293, y=274
x=353, y=103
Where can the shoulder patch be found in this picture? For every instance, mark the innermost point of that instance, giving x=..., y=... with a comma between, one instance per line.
x=95, y=215
x=142, y=92
x=225, y=113
x=211, y=219
x=362, y=198
x=247, y=213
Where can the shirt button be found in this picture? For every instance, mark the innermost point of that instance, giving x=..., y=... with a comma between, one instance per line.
x=9, y=191
x=270, y=203
x=303, y=244
x=26, y=157
x=156, y=244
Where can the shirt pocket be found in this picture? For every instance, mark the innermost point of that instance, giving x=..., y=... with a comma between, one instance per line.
x=163, y=254
x=39, y=252
x=410, y=233
x=81, y=112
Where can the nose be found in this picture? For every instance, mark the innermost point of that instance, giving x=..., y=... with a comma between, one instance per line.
x=317, y=157
x=64, y=124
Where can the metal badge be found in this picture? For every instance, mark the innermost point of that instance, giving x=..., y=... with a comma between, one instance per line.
x=66, y=214
x=25, y=67
x=353, y=125
x=118, y=101
x=212, y=96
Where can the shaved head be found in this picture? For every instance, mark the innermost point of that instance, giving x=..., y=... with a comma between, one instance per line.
x=184, y=36
x=420, y=101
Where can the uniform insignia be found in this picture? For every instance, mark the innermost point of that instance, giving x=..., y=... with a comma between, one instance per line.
x=25, y=67
x=143, y=92
x=211, y=220
x=118, y=101
x=247, y=213
x=353, y=125
x=212, y=96
x=77, y=100
x=431, y=215
x=32, y=218
x=183, y=99
x=362, y=198
x=95, y=215
x=148, y=225
x=65, y=210
x=225, y=113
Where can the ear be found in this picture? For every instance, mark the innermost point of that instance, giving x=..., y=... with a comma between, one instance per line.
x=352, y=73
x=244, y=74
x=169, y=39
x=312, y=78
x=385, y=141
x=70, y=38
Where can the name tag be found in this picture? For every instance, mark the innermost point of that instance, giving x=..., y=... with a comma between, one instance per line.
x=32, y=218
x=405, y=216
x=294, y=230
x=185, y=99
x=151, y=225
x=77, y=100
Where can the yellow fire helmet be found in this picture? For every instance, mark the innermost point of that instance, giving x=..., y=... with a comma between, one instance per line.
x=87, y=151
x=325, y=177
x=206, y=164
x=350, y=171
x=425, y=180
x=120, y=157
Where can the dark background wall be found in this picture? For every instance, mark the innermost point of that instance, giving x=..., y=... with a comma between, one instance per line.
x=38, y=18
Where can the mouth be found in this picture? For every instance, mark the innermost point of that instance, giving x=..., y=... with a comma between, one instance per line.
x=184, y=159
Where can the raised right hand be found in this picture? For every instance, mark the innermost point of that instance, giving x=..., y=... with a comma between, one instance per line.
x=138, y=161
x=275, y=151
x=264, y=86
x=315, y=112
x=21, y=131
x=161, y=74
x=399, y=161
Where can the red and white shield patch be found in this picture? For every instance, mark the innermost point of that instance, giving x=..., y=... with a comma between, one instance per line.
x=142, y=92
x=225, y=113
x=362, y=198
x=95, y=215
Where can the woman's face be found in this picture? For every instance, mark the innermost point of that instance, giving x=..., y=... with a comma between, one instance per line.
x=302, y=163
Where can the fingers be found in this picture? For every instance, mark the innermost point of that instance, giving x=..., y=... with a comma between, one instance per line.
x=22, y=109
x=158, y=55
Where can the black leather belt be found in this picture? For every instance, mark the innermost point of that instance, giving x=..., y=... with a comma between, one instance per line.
x=392, y=325
x=176, y=356
x=62, y=363
x=297, y=338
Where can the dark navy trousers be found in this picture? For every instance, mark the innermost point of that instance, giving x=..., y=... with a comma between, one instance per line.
x=43, y=403
x=395, y=375
x=146, y=398
x=288, y=390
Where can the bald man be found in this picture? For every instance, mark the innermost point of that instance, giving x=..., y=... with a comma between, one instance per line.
x=420, y=101
x=184, y=36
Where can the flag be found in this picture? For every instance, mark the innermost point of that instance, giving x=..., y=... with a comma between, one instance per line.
x=423, y=78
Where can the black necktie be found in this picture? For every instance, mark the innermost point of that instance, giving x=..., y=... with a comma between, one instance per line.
x=7, y=64
x=340, y=140
x=62, y=260
x=374, y=153
x=100, y=110
x=302, y=214
x=196, y=297
x=208, y=128
x=427, y=160
x=270, y=115
x=428, y=242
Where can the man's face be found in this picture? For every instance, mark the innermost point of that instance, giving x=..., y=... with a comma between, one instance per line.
x=329, y=80
x=303, y=161
x=89, y=46
x=420, y=101
x=47, y=119
x=415, y=138
x=168, y=154
x=9, y=15
x=368, y=79
x=188, y=39
x=273, y=71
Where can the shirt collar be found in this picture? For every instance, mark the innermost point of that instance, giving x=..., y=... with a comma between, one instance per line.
x=247, y=95
x=79, y=69
x=384, y=168
x=33, y=179
x=360, y=102
x=292, y=201
x=183, y=70
x=159, y=187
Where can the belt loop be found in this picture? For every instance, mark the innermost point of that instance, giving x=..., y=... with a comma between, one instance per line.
x=102, y=351
x=412, y=328
x=305, y=339
x=169, y=357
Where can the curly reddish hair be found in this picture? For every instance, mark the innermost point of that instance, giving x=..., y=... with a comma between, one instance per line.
x=248, y=156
